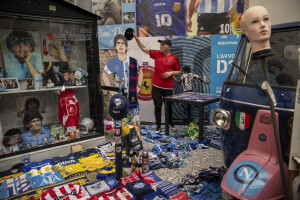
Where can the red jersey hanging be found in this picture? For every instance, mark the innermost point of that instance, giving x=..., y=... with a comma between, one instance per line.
x=68, y=109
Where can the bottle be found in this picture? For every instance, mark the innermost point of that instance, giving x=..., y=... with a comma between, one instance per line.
x=145, y=162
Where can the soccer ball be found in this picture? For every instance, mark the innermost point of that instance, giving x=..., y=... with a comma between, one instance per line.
x=88, y=122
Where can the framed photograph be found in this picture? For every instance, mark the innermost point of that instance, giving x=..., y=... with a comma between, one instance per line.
x=26, y=103
x=10, y=84
x=18, y=47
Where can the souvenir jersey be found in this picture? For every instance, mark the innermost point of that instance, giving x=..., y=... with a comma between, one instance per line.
x=164, y=64
x=45, y=179
x=131, y=178
x=109, y=169
x=112, y=182
x=167, y=188
x=162, y=17
x=139, y=188
x=97, y=188
x=65, y=192
x=15, y=186
x=37, y=165
x=68, y=109
x=108, y=149
x=116, y=194
x=66, y=160
x=150, y=178
x=94, y=162
x=187, y=79
x=73, y=169
x=15, y=171
x=215, y=6
x=86, y=153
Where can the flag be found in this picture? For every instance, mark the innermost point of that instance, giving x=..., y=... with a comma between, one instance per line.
x=242, y=120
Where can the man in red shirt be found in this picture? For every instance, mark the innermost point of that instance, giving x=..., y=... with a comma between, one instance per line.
x=166, y=66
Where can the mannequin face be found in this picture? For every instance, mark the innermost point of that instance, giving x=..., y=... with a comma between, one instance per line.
x=257, y=26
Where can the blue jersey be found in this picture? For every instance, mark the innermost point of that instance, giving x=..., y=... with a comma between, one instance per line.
x=66, y=160
x=162, y=17
x=37, y=165
x=215, y=6
x=45, y=179
x=15, y=186
x=30, y=141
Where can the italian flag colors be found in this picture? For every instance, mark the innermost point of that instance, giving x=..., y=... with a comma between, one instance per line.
x=242, y=120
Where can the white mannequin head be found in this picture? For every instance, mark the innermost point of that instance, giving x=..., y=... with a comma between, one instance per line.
x=256, y=25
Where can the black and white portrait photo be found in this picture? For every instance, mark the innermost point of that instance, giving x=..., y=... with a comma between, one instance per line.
x=109, y=11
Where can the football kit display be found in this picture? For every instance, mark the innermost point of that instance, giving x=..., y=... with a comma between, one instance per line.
x=162, y=17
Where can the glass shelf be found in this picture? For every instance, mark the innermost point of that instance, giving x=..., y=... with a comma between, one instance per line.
x=41, y=90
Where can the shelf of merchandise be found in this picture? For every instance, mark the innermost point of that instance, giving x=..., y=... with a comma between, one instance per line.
x=41, y=90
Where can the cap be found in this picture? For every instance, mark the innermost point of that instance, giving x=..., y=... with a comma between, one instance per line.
x=166, y=41
x=128, y=33
x=118, y=107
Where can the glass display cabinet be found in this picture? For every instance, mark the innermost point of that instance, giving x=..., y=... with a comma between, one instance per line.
x=49, y=78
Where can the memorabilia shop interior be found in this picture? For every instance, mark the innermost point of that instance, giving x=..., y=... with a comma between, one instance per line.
x=149, y=99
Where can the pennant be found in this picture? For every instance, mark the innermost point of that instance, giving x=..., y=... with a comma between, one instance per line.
x=242, y=120
x=67, y=46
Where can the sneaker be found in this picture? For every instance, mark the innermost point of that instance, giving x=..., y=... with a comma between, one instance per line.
x=157, y=130
x=172, y=128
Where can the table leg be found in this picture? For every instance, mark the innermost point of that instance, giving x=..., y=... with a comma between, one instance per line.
x=189, y=113
x=168, y=115
x=201, y=113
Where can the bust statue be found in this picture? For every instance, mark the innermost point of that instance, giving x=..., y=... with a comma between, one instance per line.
x=256, y=25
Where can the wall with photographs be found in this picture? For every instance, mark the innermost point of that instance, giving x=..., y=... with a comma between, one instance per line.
x=116, y=17
x=161, y=18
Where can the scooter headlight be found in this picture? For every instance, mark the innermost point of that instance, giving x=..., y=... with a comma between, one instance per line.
x=220, y=118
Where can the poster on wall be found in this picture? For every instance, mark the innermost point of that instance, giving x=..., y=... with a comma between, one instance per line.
x=115, y=17
x=147, y=65
x=167, y=18
x=223, y=49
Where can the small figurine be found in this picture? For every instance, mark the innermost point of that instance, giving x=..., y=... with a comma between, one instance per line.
x=187, y=78
x=30, y=86
x=134, y=164
x=80, y=76
x=66, y=77
x=72, y=78
x=44, y=75
x=50, y=84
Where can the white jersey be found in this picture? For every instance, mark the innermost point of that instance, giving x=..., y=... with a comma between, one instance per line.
x=215, y=6
x=186, y=79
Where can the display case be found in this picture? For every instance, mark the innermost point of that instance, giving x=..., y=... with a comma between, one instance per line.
x=49, y=64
